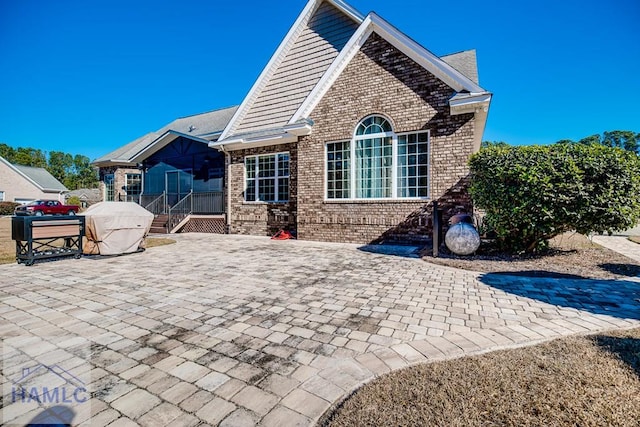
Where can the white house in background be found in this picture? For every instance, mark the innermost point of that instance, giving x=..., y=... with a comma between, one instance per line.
x=23, y=184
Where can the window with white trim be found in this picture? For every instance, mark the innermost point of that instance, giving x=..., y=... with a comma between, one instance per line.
x=1, y=196
x=413, y=164
x=267, y=178
x=109, y=190
x=378, y=164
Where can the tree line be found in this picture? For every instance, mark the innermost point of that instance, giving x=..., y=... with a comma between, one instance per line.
x=625, y=139
x=74, y=171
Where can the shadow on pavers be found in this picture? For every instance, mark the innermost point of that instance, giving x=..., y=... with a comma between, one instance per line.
x=406, y=251
x=616, y=298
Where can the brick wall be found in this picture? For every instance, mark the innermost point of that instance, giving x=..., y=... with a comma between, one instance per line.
x=379, y=80
x=382, y=80
x=119, y=180
x=257, y=218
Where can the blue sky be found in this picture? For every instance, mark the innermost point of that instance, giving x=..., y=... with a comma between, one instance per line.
x=89, y=76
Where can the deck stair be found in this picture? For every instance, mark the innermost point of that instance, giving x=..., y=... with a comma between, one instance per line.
x=159, y=224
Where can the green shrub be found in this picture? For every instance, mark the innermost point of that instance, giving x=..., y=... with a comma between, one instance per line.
x=74, y=200
x=533, y=193
x=7, y=208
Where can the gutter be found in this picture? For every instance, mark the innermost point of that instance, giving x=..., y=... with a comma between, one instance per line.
x=290, y=133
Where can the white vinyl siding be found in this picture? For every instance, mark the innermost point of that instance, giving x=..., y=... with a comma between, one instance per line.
x=327, y=32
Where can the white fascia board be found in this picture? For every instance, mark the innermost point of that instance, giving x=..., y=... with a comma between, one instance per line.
x=470, y=104
x=299, y=129
x=264, y=141
x=348, y=10
x=272, y=65
x=373, y=23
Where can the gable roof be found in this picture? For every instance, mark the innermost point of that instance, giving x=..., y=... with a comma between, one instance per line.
x=201, y=127
x=39, y=177
x=311, y=45
x=273, y=114
x=423, y=57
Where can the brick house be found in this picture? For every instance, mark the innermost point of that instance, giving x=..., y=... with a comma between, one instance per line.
x=351, y=132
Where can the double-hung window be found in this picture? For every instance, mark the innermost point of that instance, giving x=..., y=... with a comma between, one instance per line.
x=378, y=164
x=267, y=178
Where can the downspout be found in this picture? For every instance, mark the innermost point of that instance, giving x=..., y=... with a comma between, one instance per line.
x=227, y=183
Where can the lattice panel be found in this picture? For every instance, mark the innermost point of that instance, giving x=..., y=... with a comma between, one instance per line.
x=205, y=225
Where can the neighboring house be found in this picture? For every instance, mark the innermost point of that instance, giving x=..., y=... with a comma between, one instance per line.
x=23, y=184
x=87, y=196
x=352, y=131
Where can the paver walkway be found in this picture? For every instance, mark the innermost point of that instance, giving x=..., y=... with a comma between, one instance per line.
x=236, y=330
x=620, y=244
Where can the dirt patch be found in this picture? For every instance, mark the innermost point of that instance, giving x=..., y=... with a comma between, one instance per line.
x=634, y=239
x=571, y=255
x=586, y=381
x=152, y=242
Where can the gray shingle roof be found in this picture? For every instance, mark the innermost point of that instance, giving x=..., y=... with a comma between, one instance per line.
x=465, y=62
x=201, y=125
x=205, y=125
x=42, y=178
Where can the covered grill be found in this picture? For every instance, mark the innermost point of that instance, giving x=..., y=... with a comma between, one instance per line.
x=114, y=228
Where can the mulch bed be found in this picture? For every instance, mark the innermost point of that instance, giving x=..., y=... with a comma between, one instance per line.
x=571, y=256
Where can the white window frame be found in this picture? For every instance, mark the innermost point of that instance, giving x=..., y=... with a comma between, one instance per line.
x=1, y=196
x=394, y=165
x=276, y=177
x=107, y=186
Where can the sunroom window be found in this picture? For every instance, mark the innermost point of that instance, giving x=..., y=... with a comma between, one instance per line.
x=267, y=178
x=378, y=164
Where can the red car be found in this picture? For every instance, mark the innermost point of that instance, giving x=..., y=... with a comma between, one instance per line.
x=46, y=207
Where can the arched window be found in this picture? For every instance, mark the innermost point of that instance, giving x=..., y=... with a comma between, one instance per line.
x=373, y=124
x=374, y=158
x=378, y=163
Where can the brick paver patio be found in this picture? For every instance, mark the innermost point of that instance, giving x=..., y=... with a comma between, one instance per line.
x=238, y=331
